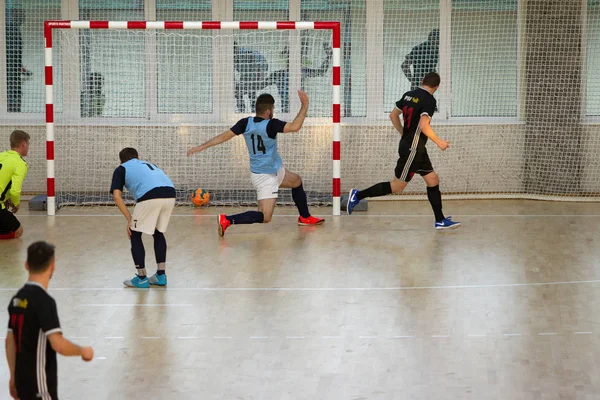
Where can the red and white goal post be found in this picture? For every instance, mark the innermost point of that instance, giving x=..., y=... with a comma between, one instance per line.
x=49, y=27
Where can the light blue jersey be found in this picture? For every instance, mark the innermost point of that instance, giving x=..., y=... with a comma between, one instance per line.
x=264, y=157
x=141, y=177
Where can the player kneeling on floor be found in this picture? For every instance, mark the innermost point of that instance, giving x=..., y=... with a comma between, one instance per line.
x=154, y=194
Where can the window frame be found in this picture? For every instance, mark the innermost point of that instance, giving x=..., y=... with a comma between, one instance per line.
x=223, y=10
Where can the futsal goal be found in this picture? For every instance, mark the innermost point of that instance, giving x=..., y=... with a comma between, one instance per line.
x=163, y=87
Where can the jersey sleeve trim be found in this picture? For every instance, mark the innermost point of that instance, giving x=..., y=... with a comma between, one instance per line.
x=425, y=113
x=51, y=331
x=9, y=330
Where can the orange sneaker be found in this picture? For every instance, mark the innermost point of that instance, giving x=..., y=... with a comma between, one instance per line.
x=223, y=224
x=310, y=221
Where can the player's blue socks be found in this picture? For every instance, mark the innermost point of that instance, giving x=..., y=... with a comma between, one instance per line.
x=435, y=199
x=377, y=190
x=299, y=196
x=138, y=253
x=160, y=250
x=248, y=217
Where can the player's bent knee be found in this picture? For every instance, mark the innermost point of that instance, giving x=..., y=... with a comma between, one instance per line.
x=267, y=219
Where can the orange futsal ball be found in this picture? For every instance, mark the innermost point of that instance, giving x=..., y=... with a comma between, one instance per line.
x=200, y=197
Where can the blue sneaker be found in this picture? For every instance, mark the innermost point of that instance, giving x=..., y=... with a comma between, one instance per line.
x=137, y=282
x=352, y=200
x=158, y=280
x=446, y=224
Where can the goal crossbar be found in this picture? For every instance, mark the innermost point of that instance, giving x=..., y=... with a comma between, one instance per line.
x=333, y=26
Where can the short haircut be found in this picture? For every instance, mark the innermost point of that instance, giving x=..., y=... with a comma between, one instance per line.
x=432, y=80
x=264, y=102
x=39, y=256
x=128, y=153
x=17, y=137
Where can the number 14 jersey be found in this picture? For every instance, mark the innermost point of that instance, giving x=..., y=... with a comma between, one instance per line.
x=413, y=105
x=261, y=139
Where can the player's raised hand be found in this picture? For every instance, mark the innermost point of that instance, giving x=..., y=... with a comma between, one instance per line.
x=443, y=144
x=303, y=97
x=194, y=150
x=87, y=353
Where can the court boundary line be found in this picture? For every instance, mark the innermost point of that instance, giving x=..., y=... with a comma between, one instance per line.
x=353, y=215
x=325, y=289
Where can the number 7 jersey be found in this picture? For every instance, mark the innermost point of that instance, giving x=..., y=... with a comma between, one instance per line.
x=261, y=139
x=413, y=105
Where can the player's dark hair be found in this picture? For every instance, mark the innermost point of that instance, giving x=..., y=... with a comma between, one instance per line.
x=128, y=153
x=17, y=137
x=264, y=102
x=39, y=256
x=432, y=80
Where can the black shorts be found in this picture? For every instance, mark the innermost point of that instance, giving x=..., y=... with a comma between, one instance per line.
x=411, y=162
x=31, y=393
x=8, y=222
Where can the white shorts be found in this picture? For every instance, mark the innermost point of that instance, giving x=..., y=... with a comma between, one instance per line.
x=151, y=215
x=267, y=185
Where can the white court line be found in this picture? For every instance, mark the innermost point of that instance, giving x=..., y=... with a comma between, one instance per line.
x=133, y=305
x=583, y=333
x=356, y=216
x=331, y=337
x=114, y=337
x=440, y=336
x=222, y=337
x=315, y=289
x=547, y=333
x=476, y=335
x=367, y=337
x=187, y=337
x=403, y=337
x=259, y=337
x=100, y=358
x=511, y=334
x=295, y=337
x=150, y=337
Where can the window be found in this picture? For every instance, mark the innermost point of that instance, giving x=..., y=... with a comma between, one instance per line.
x=316, y=58
x=484, y=58
x=113, y=75
x=593, y=59
x=185, y=69
x=24, y=29
x=410, y=45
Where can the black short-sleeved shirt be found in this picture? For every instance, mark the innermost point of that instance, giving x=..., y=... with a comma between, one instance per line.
x=424, y=59
x=274, y=126
x=413, y=105
x=32, y=317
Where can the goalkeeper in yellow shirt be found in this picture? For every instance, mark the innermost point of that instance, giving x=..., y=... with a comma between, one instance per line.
x=13, y=170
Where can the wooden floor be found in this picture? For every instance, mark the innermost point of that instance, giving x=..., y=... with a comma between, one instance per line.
x=377, y=305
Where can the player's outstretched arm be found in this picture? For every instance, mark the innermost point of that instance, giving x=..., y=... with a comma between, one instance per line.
x=222, y=138
x=67, y=348
x=11, y=357
x=296, y=124
x=426, y=128
x=395, y=118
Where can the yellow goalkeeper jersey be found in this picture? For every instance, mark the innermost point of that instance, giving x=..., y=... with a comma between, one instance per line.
x=13, y=170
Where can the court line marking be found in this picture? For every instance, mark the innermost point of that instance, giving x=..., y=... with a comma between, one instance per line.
x=315, y=289
x=583, y=333
x=353, y=216
x=259, y=337
x=477, y=335
x=222, y=337
x=511, y=334
x=403, y=337
x=149, y=337
x=133, y=305
x=100, y=358
x=331, y=337
x=547, y=333
x=367, y=337
x=114, y=337
x=187, y=337
x=295, y=337
x=440, y=336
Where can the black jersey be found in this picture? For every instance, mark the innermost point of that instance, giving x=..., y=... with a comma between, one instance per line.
x=32, y=317
x=413, y=105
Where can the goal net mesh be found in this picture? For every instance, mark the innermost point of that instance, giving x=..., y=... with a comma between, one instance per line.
x=163, y=92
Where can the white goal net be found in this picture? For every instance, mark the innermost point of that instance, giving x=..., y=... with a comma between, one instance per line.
x=165, y=91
